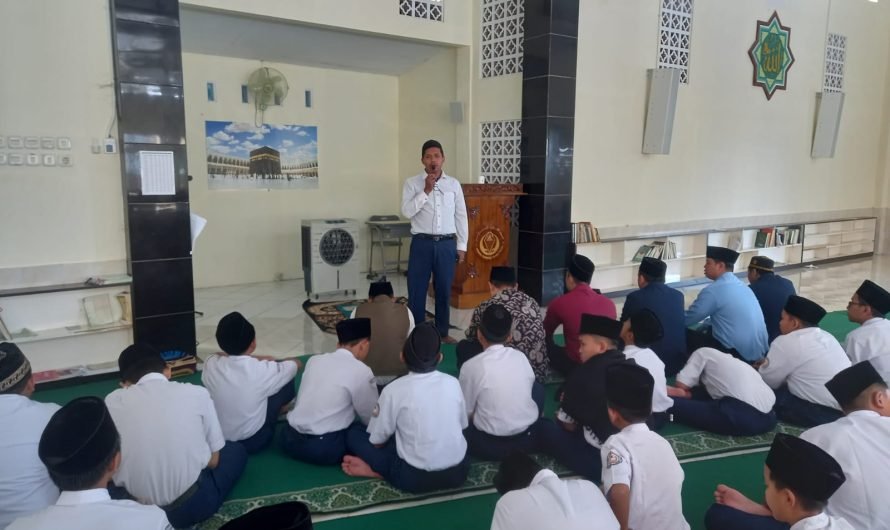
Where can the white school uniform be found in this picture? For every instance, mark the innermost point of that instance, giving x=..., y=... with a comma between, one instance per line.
x=860, y=442
x=426, y=412
x=805, y=360
x=723, y=375
x=240, y=386
x=92, y=510
x=25, y=485
x=168, y=433
x=822, y=521
x=646, y=358
x=335, y=387
x=871, y=342
x=646, y=463
x=497, y=388
x=551, y=502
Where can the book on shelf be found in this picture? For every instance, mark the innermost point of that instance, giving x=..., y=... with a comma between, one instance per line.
x=4, y=331
x=584, y=232
x=99, y=310
x=642, y=252
x=126, y=306
x=760, y=239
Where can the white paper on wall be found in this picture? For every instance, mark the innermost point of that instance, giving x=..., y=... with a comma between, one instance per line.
x=158, y=172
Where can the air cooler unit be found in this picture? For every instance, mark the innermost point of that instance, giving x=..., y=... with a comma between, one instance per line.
x=330, y=256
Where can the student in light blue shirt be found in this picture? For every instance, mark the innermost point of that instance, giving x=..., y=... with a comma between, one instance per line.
x=736, y=320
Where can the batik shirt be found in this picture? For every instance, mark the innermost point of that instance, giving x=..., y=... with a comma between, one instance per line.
x=528, y=327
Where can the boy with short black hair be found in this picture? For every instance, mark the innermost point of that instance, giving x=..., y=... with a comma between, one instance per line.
x=81, y=449
x=641, y=475
x=498, y=385
x=800, y=478
x=336, y=388
x=415, y=438
x=249, y=392
x=173, y=451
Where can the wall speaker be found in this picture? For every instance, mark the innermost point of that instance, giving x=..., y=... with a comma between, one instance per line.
x=664, y=84
x=829, y=106
x=457, y=112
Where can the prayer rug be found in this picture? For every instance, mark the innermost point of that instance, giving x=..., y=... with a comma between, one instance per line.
x=326, y=315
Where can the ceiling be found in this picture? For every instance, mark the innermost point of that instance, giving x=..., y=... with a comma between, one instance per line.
x=273, y=40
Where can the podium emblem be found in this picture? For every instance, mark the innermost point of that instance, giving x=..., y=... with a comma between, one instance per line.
x=489, y=243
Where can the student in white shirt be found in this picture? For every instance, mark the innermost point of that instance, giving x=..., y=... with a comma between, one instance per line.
x=733, y=399
x=415, y=438
x=25, y=485
x=642, y=477
x=249, y=392
x=860, y=442
x=639, y=331
x=498, y=385
x=871, y=340
x=82, y=449
x=799, y=363
x=173, y=453
x=336, y=387
x=533, y=498
x=800, y=479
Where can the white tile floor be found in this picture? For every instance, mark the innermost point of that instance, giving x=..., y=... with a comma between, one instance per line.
x=284, y=329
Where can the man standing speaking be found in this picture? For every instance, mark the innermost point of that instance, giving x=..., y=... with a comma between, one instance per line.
x=434, y=202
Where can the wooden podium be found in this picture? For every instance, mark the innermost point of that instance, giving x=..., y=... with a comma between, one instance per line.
x=488, y=212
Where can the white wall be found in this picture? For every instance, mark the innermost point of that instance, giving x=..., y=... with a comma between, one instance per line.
x=425, y=95
x=734, y=153
x=56, y=81
x=254, y=235
x=372, y=16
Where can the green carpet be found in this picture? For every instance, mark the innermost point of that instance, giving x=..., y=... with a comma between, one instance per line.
x=272, y=477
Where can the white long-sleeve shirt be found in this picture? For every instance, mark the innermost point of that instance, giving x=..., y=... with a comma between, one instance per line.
x=443, y=211
x=871, y=342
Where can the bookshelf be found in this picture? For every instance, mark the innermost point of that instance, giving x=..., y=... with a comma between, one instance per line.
x=51, y=326
x=788, y=245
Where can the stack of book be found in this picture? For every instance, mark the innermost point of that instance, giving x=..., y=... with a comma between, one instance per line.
x=584, y=232
x=662, y=250
x=777, y=237
x=5, y=335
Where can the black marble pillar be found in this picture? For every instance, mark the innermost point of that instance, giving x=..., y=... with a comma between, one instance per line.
x=547, y=146
x=151, y=117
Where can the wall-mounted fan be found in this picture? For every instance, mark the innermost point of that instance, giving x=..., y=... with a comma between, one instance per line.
x=268, y=86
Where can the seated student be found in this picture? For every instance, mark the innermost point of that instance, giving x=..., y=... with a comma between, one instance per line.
x=639, y=331
x=771, y=290
x=800, y=362
x=25, y=485
x=642, y=477
x=82, y=449
x=567, y=309
x=871, y=340
x=736, y=321
x=391, y=323
x=668, y=305
x=173, y=453
x=415, y=439
x=527, y=334
x=736, y=402
x=859, y=442
x=534, y=498
x=582, y=422
x=248, y=392
x=497, y=385
x=336, y=387
x=800, y=478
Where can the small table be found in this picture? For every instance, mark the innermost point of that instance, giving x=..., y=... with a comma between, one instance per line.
x=387, y=231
